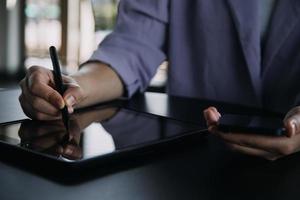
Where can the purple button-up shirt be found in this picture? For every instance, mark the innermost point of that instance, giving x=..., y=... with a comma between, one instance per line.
x=213, y=48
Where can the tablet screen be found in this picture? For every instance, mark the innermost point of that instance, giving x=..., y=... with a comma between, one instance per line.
x=94, y=133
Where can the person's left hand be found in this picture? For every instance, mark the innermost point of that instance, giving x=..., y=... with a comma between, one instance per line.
x=268, y=147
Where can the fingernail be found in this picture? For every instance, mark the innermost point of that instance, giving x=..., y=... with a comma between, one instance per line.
x=61, y=104
x=293, y=128
x=70, y=101
x=70, y=110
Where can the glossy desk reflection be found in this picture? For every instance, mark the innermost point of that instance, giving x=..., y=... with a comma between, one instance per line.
x=207, y=170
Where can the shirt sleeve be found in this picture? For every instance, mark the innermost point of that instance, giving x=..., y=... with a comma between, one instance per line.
x=136, y=47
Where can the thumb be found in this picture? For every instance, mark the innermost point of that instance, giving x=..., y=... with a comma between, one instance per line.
x=291, y=126
x=211, y=116
x=72, y=96
x=292, y=122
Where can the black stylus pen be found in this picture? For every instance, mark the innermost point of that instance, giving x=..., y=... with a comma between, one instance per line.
x=59, y=83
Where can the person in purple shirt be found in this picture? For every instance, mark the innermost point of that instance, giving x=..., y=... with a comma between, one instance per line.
x=244, y=52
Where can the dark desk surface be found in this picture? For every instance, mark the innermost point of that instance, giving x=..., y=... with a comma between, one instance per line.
x=204, y=171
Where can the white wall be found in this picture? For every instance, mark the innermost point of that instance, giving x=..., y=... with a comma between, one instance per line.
x=3, y=35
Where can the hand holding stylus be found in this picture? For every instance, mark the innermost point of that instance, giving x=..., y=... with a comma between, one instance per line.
x=41, y=101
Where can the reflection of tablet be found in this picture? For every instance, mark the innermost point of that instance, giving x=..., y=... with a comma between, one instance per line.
x=96, y=136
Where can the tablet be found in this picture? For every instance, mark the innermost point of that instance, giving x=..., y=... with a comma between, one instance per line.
x=98, y=135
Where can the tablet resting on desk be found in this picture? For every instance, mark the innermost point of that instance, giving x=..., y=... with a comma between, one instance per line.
x=95, y=136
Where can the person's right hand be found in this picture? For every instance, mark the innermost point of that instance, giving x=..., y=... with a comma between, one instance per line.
x=39, y=99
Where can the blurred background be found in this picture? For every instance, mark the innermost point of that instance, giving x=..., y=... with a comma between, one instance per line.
x=75, y=27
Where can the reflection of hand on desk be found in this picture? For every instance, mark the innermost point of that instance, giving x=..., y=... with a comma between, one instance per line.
x=51, y=136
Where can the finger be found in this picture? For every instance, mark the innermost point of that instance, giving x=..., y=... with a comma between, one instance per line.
x=70, y=102
x=277, y=145
x=75, y=131
x=72, y=152
x=292, y=124
x=73, y=95
x=214, y=109
x=38, y=103
x=214, y=129
x=211, y=115
x=293, y=111
x=52, y=150
x=70, y=110
x=253, y=152
x=31, y=113
x=38, y=85
x=30, y=129
x=48, y=140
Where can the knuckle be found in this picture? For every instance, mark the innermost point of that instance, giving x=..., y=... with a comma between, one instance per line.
x=34, y=83
x=35, y=76
x=35, y=103
x=34, y=87
x=33, y=69
x=51, y=96
x=39, y=116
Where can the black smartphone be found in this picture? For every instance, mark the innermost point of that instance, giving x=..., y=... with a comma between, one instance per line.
x=251, y=124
